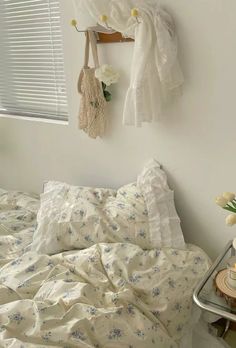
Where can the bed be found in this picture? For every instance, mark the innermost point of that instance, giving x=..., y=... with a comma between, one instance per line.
x=82, y=267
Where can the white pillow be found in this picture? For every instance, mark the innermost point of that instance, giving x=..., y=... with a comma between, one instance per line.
x=73, y=217
x=144, y=214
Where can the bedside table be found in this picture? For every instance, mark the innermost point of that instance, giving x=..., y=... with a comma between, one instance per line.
x=205, y=293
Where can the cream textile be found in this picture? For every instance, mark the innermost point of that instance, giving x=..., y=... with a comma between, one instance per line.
x=164, y=223
x=155, y=72
x=74, y=217
x=17, y=223
x=107, y=296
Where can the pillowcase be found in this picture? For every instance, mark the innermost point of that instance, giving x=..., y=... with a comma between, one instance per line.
x=73, y=217
x=164, y=223
x=141, y=213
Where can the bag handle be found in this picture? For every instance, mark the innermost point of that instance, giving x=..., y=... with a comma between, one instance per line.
x=90, y=39
x=93, y=42
x=86, y=52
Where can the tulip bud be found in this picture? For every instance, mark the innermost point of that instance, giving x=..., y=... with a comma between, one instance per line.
x=231, y=220
x=221, y=201
x=229, y=196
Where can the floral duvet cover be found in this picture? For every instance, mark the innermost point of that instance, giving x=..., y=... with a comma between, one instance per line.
x=108, y=295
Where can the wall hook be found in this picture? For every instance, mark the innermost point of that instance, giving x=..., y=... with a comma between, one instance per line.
x=74, y=24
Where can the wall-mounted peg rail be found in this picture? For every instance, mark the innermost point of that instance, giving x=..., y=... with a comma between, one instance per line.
x=107, y=34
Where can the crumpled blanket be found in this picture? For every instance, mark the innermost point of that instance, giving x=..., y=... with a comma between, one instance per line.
x=18, y=211
x=108, y=295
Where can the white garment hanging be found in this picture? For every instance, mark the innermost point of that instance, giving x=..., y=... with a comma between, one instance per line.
x=155, y=73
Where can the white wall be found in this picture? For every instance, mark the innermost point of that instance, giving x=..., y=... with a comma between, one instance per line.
x=194, y=140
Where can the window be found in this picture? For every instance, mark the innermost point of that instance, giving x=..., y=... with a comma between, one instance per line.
x=32, y=77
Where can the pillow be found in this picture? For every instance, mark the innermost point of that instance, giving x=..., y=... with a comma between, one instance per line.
x=73, y=217
x=141, y=213
x=164, y=223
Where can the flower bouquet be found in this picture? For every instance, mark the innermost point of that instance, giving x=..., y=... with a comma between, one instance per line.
x=107, y=76
x=228, y=202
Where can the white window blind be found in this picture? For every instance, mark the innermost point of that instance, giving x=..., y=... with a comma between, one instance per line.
x=32, y=77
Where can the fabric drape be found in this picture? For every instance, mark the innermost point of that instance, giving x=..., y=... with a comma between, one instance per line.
x=155, y=74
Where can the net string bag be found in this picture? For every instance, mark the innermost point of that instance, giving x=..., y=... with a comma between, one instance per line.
x=92, y=105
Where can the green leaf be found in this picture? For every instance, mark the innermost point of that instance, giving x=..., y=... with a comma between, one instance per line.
x=107, y=96
x=230, y=209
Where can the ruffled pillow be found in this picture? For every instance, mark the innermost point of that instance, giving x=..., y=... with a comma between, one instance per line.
x=144, y=214
x=73, y=217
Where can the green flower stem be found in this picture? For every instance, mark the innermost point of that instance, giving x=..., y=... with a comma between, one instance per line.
x=229, y=208
x=230, y=205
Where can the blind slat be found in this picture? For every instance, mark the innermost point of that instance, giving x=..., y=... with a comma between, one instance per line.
x=32, y=76
x=39, y=90
x=38, y=73
x=34, y=109
x=35, y=114
x=36, y=96
x=25, y=43
x=34, y=102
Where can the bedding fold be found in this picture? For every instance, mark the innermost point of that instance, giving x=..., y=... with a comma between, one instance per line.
x=108, y=295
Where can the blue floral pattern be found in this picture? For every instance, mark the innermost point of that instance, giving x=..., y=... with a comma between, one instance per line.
x=100, y=216
x=18, y=212
x=106, y=295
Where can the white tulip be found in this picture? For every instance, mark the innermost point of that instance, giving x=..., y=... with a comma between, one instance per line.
x=107, y=74
x=221, y=201
x=229, y=196
x=231, y=220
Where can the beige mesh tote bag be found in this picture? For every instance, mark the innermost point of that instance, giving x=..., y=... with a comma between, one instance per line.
x=92, y=105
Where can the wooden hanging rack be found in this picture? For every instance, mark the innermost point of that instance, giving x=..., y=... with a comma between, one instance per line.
x=106, y=34
x=112, y=38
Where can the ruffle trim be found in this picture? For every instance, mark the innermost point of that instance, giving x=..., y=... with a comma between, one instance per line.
x=164, y=223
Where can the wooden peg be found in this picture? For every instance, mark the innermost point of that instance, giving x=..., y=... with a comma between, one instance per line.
x=104, y=19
